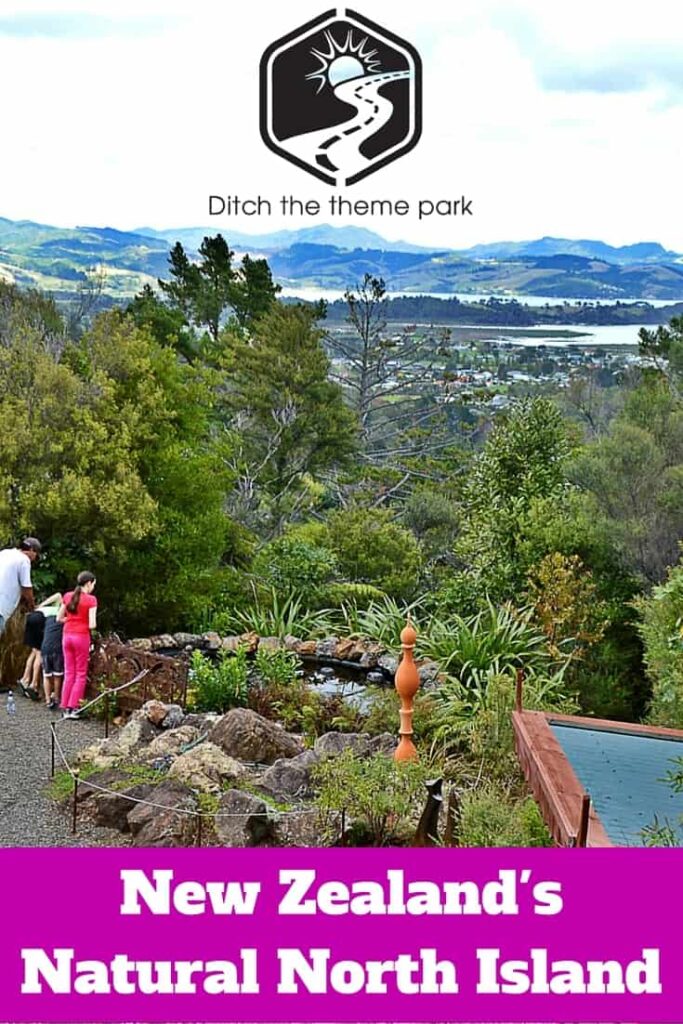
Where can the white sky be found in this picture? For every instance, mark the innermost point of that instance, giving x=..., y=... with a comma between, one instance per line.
x=554, y=118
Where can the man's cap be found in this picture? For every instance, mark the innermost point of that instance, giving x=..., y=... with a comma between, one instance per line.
x=32, y=544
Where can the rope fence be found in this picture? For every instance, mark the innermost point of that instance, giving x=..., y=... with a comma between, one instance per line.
x=56, y=747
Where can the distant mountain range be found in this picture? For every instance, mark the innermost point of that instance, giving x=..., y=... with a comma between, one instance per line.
x=58, y=259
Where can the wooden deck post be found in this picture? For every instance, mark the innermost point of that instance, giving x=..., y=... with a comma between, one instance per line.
x=582, y=835
x=519, y=690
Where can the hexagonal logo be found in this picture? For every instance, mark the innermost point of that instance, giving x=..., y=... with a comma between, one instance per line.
x=341, y=97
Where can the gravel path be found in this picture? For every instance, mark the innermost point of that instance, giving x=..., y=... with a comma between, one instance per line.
x=28, y=816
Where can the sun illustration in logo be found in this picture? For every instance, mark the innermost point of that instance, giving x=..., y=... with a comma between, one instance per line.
x=340, y=62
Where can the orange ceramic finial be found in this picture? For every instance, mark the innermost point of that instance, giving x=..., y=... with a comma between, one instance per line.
x=407, y=682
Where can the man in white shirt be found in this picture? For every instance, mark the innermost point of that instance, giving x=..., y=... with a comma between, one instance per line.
x=15, y=577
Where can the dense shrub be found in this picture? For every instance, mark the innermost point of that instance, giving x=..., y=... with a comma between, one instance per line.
x=290, y=566
x=489, y=816
x=381, y=797
x=220, y=685
x=661, y=629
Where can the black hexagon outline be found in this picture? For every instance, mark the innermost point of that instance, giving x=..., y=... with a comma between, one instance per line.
x=309, y=26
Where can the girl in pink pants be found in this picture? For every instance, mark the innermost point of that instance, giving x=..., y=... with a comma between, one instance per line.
x=79, y=615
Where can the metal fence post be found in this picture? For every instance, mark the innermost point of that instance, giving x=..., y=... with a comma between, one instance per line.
x=75, y=808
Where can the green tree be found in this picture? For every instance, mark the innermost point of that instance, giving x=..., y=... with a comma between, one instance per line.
x=292, y=423
x=106, y=454
x=524, y=460
x=372, y=548
x=206, y=292
x=661, y=629
x=635, y=476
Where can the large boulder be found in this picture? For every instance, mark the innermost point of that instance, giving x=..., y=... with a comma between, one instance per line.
x=124, y=746
x=247, y=736
x=111, y=810
x=331, y=744
x=108, y=778
x=384, y=743
x=206, y=768
x=167, y=819
x=171, y=743
x=290, y=778
x=242, y=820
x=300, y=828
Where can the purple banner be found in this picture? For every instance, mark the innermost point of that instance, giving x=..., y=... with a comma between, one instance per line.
x=340, y=935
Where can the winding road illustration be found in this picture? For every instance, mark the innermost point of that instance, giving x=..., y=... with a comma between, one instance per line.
x=337, y=150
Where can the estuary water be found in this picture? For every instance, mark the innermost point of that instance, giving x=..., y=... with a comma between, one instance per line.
x=622, y=335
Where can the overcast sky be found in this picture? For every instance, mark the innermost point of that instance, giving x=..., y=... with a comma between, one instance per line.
x=554, y=118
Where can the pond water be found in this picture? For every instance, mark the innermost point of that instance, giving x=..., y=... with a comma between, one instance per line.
x=355, y=686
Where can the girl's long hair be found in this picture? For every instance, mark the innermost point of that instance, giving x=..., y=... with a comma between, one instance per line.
x=83, y=578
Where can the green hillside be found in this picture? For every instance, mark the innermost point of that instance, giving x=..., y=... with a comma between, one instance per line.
x=60, y=260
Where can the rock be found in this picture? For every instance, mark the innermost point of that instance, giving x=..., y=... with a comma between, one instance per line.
x=302, y=828
x=206, y=768
x=187, y=640
x=164, y=642
x=154, y=711
x=326, y=648
x=388, y=664
x=135, y=734
x=385, y=743
x=108, y=779
x=326, y=671
x=376, y=677
x=291, y=643
x=270, y=643
x=371, y=654
x=141, y=644
x=211, y=641
x=345, y=649
x=291, y=777
x=230, y=643
x=250, y=641
x=170, y=742
x=307, y=649
x=331, y=744
x=111, y=810
x=174, y=717
x=248, y=737
x=428, y=671
x=102, y=755
x=167, y=822
x=242, y=820
x=203, y=722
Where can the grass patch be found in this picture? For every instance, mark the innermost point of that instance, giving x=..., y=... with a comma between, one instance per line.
x=61, y=785
x=269, y=801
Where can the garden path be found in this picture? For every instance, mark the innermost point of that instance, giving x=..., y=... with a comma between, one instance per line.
x=28, y=815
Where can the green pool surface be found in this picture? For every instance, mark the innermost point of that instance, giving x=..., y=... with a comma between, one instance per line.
x=624, y=773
